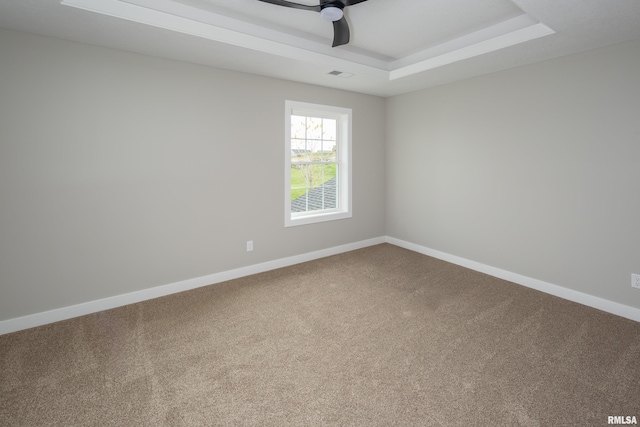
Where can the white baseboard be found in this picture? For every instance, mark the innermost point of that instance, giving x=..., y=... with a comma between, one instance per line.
x=39, y=319
x=559, y=291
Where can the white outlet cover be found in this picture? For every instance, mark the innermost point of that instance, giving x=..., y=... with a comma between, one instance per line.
x=635, y=281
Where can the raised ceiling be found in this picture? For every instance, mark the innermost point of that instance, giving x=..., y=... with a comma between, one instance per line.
x=374, y=24
x=396, y=46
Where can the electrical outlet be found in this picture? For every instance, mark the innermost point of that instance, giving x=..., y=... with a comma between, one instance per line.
x=249, y=245
x=635, y=281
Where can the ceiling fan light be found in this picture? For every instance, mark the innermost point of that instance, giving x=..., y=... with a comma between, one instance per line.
x=331, y=13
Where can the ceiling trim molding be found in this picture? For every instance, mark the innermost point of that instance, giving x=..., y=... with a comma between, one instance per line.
x=508, y=33
x=206, y=24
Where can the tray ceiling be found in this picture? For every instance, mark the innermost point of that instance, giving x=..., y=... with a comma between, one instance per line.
x=396, y=46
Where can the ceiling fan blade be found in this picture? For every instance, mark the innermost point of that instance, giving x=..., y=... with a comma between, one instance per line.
x=339, y=3
x=293, y=5
x=341, y=32
x=352, y=2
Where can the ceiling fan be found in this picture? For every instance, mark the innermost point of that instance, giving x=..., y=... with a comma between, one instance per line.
x=331, y=10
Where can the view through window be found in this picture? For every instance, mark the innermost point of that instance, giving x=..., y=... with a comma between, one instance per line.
x=314, y=169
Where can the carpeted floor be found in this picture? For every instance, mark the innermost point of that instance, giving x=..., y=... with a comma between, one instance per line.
x=376, y=337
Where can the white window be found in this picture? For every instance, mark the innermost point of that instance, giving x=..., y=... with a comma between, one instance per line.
x=317, y=163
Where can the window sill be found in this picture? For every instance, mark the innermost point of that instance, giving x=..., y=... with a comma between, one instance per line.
x=316, y=218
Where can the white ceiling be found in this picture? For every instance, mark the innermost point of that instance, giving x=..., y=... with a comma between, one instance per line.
x=396, y=46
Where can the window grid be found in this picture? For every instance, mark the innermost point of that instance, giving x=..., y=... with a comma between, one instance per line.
x=313, y=140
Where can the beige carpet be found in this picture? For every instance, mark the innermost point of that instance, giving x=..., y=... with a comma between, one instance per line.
x=376, y=337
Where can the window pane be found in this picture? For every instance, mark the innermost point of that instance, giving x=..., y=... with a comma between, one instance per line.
x=298, y=150
x=298, y=184
x=329, y=127
x=314, y=176
x=299, y=204
x=315, y=198
x=314, y=128
x=330, y=199
x=328, y=152
x=313, y=147
x=329, y=172
x=298, y=145
x=298, y=127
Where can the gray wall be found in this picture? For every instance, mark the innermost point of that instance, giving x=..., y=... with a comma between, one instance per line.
x=120, y=172
x=533, y=170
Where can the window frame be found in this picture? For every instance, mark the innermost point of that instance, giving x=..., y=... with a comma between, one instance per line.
x=343, y=117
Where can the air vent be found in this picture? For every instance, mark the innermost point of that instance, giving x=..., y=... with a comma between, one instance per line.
x=340, y=74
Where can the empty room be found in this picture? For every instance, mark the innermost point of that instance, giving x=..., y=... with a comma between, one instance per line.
x=314, y=212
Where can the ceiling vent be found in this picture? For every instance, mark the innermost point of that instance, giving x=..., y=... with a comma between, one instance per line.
x=340, y=74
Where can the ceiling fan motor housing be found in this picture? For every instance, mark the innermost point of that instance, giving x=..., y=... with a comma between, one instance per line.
x=332, y=11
